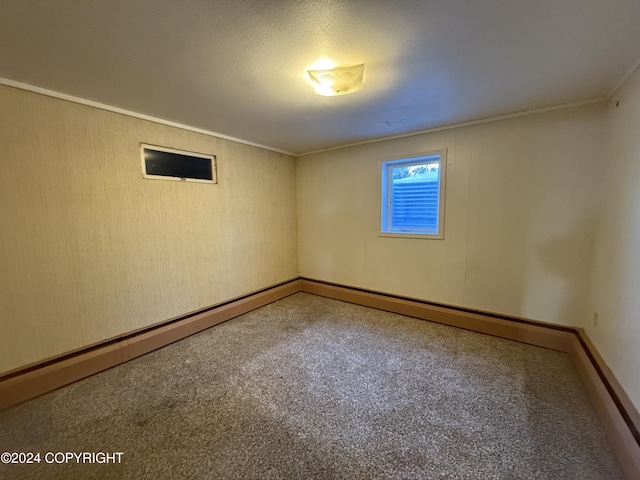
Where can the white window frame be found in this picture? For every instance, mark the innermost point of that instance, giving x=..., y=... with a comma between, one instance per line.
x=384, y=170
x=211, y=158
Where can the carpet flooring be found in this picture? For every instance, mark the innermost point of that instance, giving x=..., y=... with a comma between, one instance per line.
x=313, y=388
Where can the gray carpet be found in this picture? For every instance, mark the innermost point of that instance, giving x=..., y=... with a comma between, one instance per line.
x=309, y=387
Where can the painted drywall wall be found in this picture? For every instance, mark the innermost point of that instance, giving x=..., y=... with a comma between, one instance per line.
x=614, y=300
x=519, y=217
x=90, y=250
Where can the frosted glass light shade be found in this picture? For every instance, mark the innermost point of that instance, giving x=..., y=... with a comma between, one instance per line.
x=337, y=81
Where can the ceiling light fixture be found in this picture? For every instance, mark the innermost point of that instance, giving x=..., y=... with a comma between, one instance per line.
x=337, y=81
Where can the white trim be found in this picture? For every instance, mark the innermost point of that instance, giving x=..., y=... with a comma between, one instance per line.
x=129, y=113
x=452, y=126
x=622, y=81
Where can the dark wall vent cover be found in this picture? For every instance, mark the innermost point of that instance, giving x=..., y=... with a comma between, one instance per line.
x=169, y=164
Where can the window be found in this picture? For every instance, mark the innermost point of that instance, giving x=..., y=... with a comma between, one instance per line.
x=412, y=196
x=170, y=164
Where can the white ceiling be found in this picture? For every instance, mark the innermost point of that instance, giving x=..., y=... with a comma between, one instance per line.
x=238, y=67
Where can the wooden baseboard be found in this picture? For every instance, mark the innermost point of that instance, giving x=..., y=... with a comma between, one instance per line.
x=617, y=414
x=538, y=335
x=619, y=430
x=614, y=387
x=20, y=386
x=613, y=407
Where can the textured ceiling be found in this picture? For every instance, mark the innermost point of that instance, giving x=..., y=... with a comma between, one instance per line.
x=238, y=67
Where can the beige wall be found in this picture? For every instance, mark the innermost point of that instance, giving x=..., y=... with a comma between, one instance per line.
x=615, y=287
x=519, y=221
x=90, y=250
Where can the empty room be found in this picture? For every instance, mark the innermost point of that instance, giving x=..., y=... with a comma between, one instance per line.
x=320, y=239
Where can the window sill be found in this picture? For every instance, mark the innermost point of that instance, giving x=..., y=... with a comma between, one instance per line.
x=419, y=236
